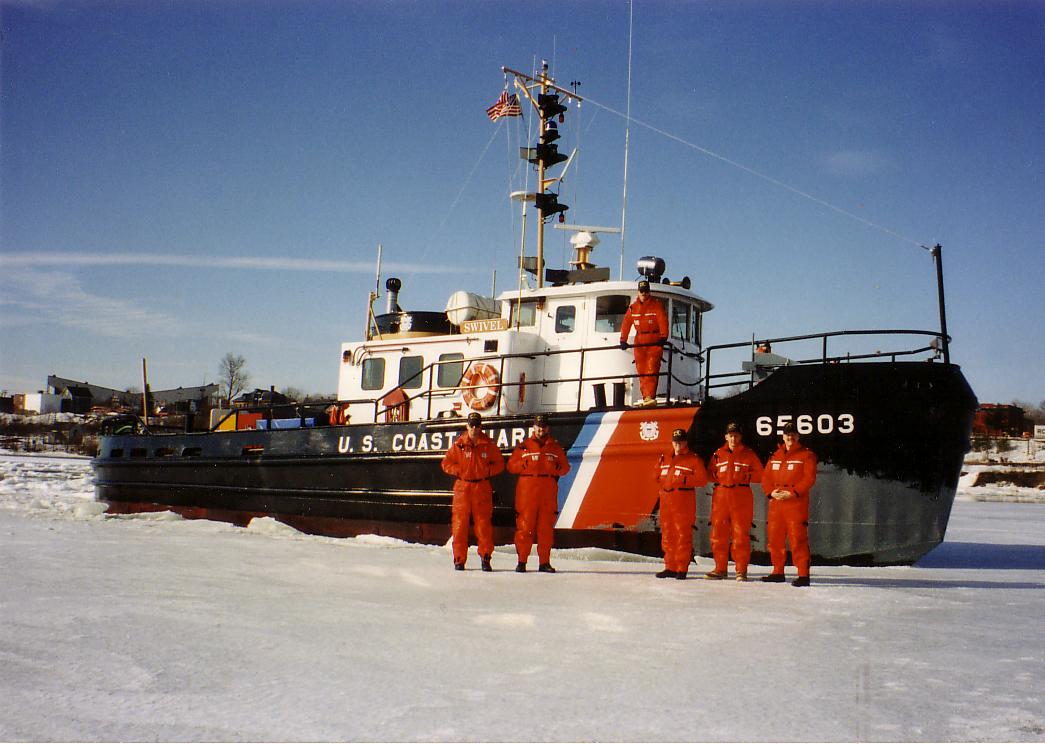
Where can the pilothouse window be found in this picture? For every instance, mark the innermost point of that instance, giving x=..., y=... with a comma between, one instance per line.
x=373, y=373
x=410, y=372
x=524, y=314
x=565, y=319
x=681, y=325
x=450, y=370
x=609, y=313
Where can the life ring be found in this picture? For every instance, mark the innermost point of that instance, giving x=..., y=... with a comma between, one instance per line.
x=480, y=385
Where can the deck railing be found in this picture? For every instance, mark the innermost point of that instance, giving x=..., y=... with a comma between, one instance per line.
x=676, y=389
x=754, y=371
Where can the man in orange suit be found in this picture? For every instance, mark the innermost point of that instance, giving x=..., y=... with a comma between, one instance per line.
x=733, y=467
x=473, y=459
x=787, y=479
x=650, y=319
x=679, y=475
x=539, y=461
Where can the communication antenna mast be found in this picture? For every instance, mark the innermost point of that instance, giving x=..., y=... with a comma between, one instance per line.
x=546, y=154
x=627, y=138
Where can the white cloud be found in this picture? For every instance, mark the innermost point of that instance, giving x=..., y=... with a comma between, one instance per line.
x=58, y=297
x=856, y=163
x=261, y=263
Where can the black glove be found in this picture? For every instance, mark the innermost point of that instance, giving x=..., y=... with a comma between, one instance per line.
x=624, y=344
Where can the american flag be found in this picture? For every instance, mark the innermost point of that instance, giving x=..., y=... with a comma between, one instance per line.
x=507, y=105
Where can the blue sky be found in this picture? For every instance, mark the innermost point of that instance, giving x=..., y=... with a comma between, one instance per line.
x=179, y=180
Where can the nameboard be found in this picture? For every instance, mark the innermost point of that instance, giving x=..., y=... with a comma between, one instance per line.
x=484, y=326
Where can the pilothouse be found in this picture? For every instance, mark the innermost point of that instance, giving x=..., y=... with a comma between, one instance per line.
x=544, y=350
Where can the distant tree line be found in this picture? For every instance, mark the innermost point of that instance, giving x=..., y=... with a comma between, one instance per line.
x=1035, y=414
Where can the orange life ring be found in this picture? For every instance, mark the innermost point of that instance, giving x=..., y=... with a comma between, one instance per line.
x=480, y=385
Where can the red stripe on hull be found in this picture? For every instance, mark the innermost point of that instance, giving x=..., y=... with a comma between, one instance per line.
x=622, y=492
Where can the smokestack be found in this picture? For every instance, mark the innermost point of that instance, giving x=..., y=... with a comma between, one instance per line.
x=393, y=285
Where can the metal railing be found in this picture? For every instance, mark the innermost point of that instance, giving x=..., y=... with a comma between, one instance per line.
x=733, y=378
x=688, y=389
x=431, y=393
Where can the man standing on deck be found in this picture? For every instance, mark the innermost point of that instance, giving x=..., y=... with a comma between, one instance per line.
x=679, y=475
x=472, y=459
x=539, y=461
x=650, y=319
x=732, y=467
x=787, y=479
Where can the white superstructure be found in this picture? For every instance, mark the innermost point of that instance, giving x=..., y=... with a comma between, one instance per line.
x=550, y=349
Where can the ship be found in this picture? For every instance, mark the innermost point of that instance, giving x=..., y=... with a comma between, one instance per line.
x=890, y=422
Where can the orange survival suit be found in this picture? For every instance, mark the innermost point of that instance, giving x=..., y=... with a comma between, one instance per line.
x=732, y=505
x=679, y=476
x=473, y=461
x=539, y=463
x=795, y=471
x=651, y=327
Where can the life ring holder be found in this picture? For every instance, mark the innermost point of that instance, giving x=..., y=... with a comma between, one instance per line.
x=480, y=386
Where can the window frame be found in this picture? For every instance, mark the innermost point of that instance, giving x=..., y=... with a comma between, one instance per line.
x=416, y=379
x=447, y=362
x=367, y=377
x=602, y=316
x=560, y=317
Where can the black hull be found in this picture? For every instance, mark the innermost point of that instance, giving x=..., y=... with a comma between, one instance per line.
x=890, y=438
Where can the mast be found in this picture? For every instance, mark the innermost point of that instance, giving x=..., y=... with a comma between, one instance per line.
x=541, y=185
x=937, y=253
x=546, y=154
x=145, y=391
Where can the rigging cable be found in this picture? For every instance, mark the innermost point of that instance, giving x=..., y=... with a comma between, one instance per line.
x=741, y=166
x=471, y=173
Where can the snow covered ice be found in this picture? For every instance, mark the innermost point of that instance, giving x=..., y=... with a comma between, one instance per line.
x=156, y=628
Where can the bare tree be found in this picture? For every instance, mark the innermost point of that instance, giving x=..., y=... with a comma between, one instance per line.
x=294, y=394
x=1034, y=414
x=233, y=376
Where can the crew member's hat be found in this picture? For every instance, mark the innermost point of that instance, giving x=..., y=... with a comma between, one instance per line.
x=789, y=428
x=643, y=285
x=732, y=426
x=474, y=418
x=679, y=435
x=540, y=420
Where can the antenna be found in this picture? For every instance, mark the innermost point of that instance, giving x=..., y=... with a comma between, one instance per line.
x=377, y=279
x=584, y=242
x=372, y=298
x=627, y=137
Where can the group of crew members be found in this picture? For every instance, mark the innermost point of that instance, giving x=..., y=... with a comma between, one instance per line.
x=539, y=461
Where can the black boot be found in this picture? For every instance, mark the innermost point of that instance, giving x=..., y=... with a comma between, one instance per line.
x=520, y=568
x=486, y=564
x=801, y=581
x=665, y=574
x=774, y=578
x=458, y=567
x=546, y=568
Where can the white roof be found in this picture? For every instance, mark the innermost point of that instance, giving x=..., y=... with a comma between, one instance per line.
x=605, y=288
